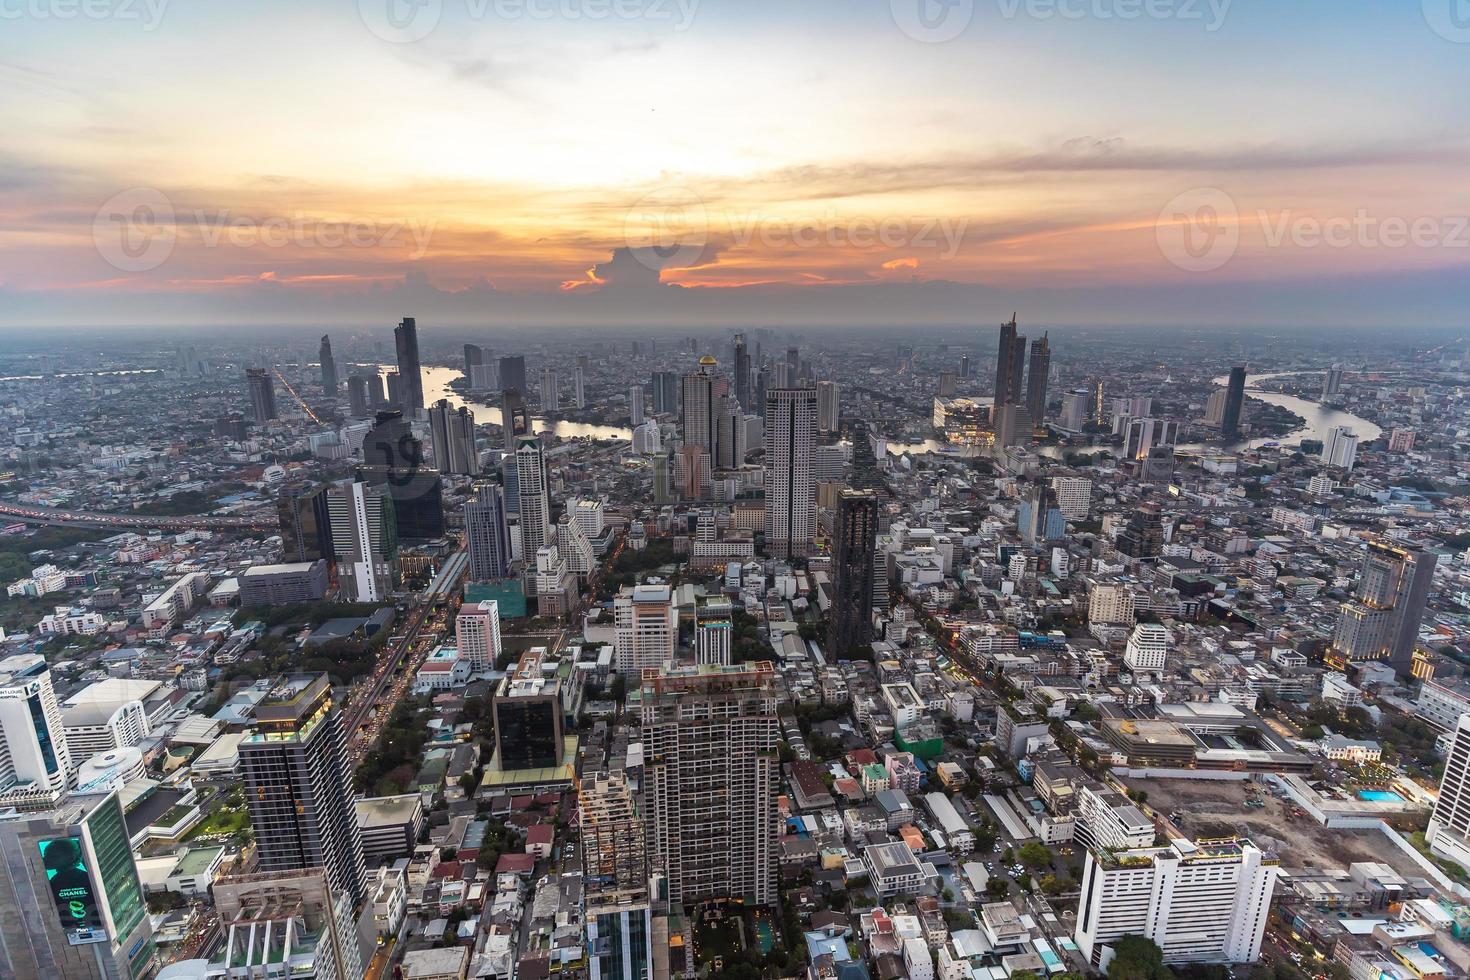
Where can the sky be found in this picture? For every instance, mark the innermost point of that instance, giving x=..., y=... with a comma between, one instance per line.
x=816, y=162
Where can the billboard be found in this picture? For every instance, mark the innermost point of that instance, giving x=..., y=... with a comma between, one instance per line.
x=72, y=890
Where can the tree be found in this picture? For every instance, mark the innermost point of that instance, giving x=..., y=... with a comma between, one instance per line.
x=1035, y=856
x=997, y=887
x=1137, y=958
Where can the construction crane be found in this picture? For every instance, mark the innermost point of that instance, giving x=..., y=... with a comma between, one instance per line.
x=299, y=400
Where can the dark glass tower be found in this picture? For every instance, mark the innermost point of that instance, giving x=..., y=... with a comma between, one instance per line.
x=410, y=370
x=393, y=457
x=855, y=538
x=1010, y=365
x=1234, y=401
x=306, y=524
x=513, y=373
x=329, y=366
x=1036, y=378
x=262, y=395
x=488, y=534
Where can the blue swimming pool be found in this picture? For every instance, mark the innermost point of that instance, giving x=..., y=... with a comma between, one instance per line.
x=1379, y=796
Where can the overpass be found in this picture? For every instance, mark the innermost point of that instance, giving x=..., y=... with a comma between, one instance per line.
x=31, y=514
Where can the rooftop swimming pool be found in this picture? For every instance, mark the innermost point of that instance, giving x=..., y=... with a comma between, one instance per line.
x=1379, y=796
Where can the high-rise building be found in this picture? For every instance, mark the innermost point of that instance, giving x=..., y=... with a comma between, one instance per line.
x=329, y=366
x=1234, y=402
x=791, y=442
x=1075, y=414
x=829, y=407
x=1340, y=448
x=575, y=546
x=393, y=457
x=474, y=357
x=452, y=432
x=1039, y=517
x=1201, y=901
x=730, y=448
x=358, y=397
x=528, y=716
x=477, y=633
x=964, y=367
x=713, y=629
x=645, y=628
x=35, y=762
x=513, y=373
x=1074, y=496
x=535, y=495
x=1147, y=649
x=615, y=880
x=947, y=384
x=550, y=390
x=487, y=533
x=855, y=538
x=410, y=370
x=665, y=392
x=702, y=394
x=73, y=907
x=710, y=736
x=1143, y=537
x=515, y=418
x=1010, y=365
x=262, y=394
x=635, y=406
x=1332, y=381
x=298, y=786
x=306, y=523
x=1215, y=406
x=1448, y=832
x=1013, y=425
x=364, y=540
x=742, y=372
x=1037, y=375
x=295, y=921
x=1144, y=435
x=1381, y=621
x=579, y=387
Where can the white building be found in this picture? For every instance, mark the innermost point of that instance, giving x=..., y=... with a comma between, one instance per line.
x=1074, y=496
x=574, y=545
x=534, y=495
x=35, y=762
x=1201, y=902
x=94, y=727
x=829, y=413
x=1147, y=649
x=1340, y=448
x=1448, y=832
x=477, y=634
x=66, y=621
x=645, y=628
x=1108, y=820
x=589, y=517
x=713, y=629
x=961, y=838
x=1110, y=604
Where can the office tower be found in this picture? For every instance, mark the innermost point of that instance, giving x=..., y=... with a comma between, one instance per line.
x=515, y=419
x=262, y=394
x=645, y=628
x=647, y=439
x=452, y=431
x=693, y=475
x=487, y=533
x=793, y=365
x=635, y=406
x=1234, y=401
x=393, y=457
x=1401, y=440
x=1097, y=403
x=964, y=367
x=1381, y=620
x=357, y=397
x=296, y=922
x=364, y=540
x=742, y=372
x=1201, y=901
x=1215, y=407
x=710, y=736
x=1037, y=375
x=791, y=441
x=1074, y=410
x=1332, y=381
x=1010, y=365
x=618, y=913
x=306, y=523
x=590, y=517
x=1147, y=649
x=528, y=716
x=329, y=366
x=377, y=390
x=511, y=481
x=1038, y=517
x=233, y=427
x=701, y=395
x=829, y=411
x=1340, y=448
x=665, y=392
x=1013, y=425
x=1143, y=435
x=298, y=785
x=663, y=492
x=474, y=357
x=534, y=492
x=513, y=373
x=553, y=584
x=1074, y=496
x=579, y=387
x=763, y=382
x=729, y=433
x=410, y=371
x=575, y=546
x=854, y=540
x=394, y=383
x=477, y=633
x=71, y=906
x=713, y=627
x=1448, y=833
x=36, y=761
x=947, y=384
x=1143, y=538
x=550, y=390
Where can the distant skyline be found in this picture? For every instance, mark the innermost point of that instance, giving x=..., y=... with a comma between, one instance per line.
x=804, y=164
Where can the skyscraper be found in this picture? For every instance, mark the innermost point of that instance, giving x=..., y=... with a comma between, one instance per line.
x=515, y=419
x=358, y=402
x=528, y=716
x=665, y=392
x=645, y=628
x=1039, y=517
x=829, y=411
x=791, y=442
x=855, y=538
x=1037, y=374
x=329, y=366
x=477, y=633
x=474, y=356
x=550, y=390
x=635, y=406
x=710, y=736
x=1448, y=832
x=452, y=431
x=534, y=493
x=579, y=387
x=713, y=629
x=262, y=395
x=1143, y=537
x=1234, y=401
x=393, y=457
x=298, y=786
x=35, y=763
x=615, y=880
x=410, y=371
x=1340, y=447
x=487, y=533
x=742, y=372
x=513, y=373
x=1381, y=621
x=364, y=540
x=306, y=523
x=700, y=394
x=1010, y=364
x=1143, y=435
x=1332, y=381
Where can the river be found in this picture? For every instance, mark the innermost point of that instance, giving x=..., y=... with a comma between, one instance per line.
x=436, y=386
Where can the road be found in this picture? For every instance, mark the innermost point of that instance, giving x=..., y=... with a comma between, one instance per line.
x=357, y=710
x=76, y=518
